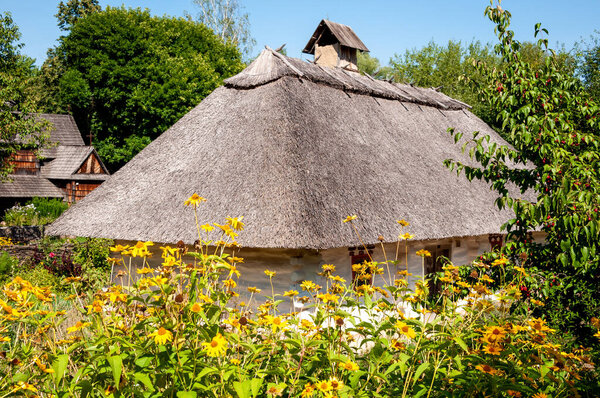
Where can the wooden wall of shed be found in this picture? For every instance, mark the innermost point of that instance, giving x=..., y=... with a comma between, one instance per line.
x=25, y=162
x=91, y=166
x=77, y=191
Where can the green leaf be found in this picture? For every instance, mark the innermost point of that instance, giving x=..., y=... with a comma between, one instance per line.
x=60, y=366
x=116, y=364
x=144, y=379
x=420, y=371
x=461, y=343
x=186, y=394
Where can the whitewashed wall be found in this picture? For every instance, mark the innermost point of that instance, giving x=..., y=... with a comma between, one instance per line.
x=296, y=265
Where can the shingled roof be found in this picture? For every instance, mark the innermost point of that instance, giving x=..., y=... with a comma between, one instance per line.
x=295, y=148
x=68, y=160
x=24, y=186
x=343, y=33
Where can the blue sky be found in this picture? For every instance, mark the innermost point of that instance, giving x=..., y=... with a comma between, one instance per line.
x=386, y=27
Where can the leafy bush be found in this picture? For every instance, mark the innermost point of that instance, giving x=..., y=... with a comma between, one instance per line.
x=181, y=331
x=21, y=215
x=7, y=264
x=38, y=211
x=49, y=209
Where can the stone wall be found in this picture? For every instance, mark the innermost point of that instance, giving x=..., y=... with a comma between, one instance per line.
x=22, y=234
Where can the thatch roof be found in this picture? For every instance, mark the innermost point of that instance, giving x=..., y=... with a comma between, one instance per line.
x=343, y=33
x=295, y=148
x=24, y=186
x=68, y=160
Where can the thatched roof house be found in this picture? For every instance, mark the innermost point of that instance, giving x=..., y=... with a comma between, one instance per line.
x=294, y=147
x=68, y=170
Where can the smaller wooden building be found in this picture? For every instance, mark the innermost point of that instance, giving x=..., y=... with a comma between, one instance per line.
x=68, y=170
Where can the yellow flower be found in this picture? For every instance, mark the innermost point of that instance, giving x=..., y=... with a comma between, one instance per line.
x=328, y=298
x=336, y=384
x=217, y=346
x=350, y=366
x=274, y=391
x=229, y=283
x=194, y=200
x=323, y=386
x=96, y=306
x=207, y=227
x=276, y=322
x=144, y=271
x=424, y=253
x=485, y=368
x=406, y=330
x=309, y=286
x=234, y=361
x=500, y=261
x=406, y=236
x=21, y=385
x=307, y=391
x=291, y=293
x=119, y=248
x=270, y=274
x=540, y=395
x=492, y=349
x=236, y=222
x=253, y=289
x=349, y=218
x=196, y=307
x=43, y=367
x=161, y=336
x=140, y=249
x=403, y=222
x=486, y=279
x=521, y=270
x=78, y=326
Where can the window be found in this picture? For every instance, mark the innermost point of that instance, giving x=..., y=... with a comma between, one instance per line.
x=359, y=256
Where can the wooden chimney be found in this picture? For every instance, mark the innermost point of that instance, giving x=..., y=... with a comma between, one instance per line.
x=335, y=45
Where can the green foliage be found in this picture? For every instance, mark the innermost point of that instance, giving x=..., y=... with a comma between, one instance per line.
x=49, y=208
x=372, y=67
x=228, y=21
x=73, y=10
x=17, y=129
x=128, y=76
x=8, y=264
x=589, y=67
x=552, y=124
x=38, y=211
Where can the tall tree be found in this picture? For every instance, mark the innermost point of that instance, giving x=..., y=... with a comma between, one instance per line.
x=127, y=76
x=73, y=10
x=589, y=67
x=228, y=21
x=553, y=126
x=371, y=66
x=18, y=129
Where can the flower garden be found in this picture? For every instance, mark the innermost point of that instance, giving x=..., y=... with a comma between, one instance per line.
x=184, y=330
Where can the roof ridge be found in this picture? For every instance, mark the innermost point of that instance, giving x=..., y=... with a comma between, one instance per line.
x=271, y=66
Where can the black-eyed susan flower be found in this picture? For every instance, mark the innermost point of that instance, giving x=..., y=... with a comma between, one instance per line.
x=350, y=366
x=350, y=218
x=161, y=336
x=492, y=349
x=140, y=249
x=423, y=253
x=406, y=330
x=216, y=347
x=253, y=289
x=485, y=368
x=196, y=307
x=21, y=385
x=323, y=386
x=308, y=390
x=270, y=274
x=194, y=200
x=236, y=223
x=291, y=293
x=78, y=326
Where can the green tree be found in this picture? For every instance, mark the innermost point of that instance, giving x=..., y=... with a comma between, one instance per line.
x=127, y=76
x=589, y=67
x=73, y=10
x=18, y=129
x=552, y=124
x=228, y=21
x=371, y=66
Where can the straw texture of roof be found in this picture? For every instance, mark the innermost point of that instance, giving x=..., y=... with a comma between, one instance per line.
x=23, y=186
x=295, y=148
x=343, y=33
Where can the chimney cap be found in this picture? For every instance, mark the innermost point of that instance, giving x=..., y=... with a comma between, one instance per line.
x=343, y=33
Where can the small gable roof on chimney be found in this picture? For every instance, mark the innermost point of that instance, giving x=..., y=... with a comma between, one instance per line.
x=343, y=33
